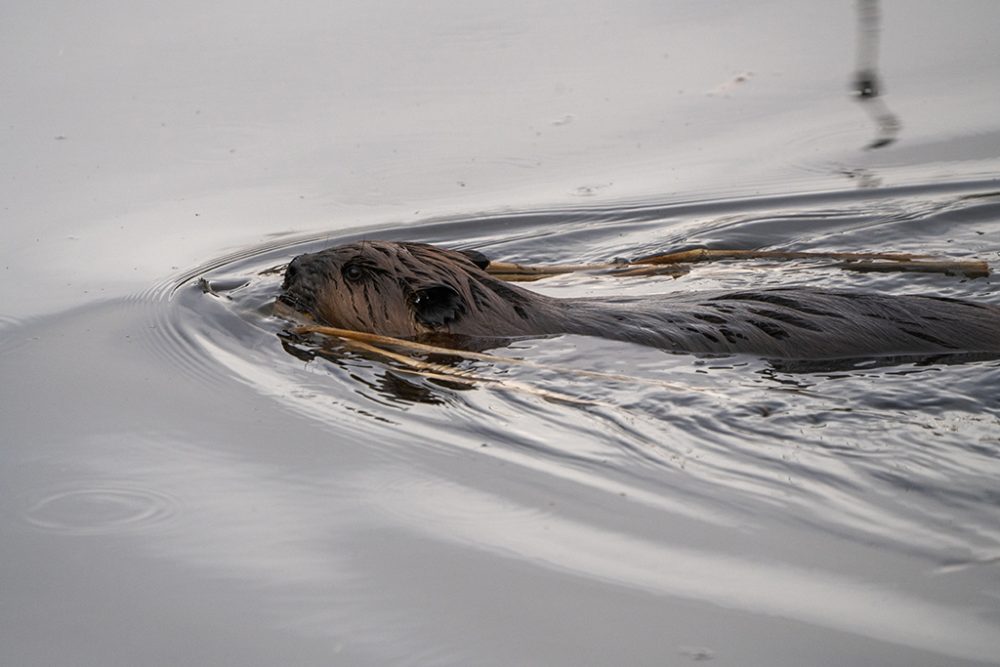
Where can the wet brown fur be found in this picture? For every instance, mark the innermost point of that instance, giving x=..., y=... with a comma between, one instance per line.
x=407, y=290
x=395, y=278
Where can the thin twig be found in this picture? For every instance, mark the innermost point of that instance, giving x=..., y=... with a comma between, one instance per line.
x=676, y=261
x=376, y=340
x=449, y=374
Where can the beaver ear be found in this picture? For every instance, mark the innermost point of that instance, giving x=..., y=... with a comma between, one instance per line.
x=437, y=305
x=478, y=258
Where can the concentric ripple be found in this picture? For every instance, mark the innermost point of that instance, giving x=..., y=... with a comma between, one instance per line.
x=102, y=509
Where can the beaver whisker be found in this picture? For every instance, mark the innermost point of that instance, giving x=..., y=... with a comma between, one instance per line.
x=289, y=300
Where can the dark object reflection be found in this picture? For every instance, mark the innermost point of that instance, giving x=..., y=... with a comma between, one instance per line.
x=867, y=85
x=391, y=384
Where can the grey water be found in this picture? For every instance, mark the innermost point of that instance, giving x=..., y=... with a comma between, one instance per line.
x=181, y=483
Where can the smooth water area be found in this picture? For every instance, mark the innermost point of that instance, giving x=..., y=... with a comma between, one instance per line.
x=181, y=483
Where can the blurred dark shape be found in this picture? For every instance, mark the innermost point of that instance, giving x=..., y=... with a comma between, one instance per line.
x=865, y=178
x=867, y=84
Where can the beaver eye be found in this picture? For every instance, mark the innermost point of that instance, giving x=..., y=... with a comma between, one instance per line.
x=353, y=272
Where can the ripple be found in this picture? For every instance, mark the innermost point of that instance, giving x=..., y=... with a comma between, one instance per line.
x=101, y=510
x=726, y=433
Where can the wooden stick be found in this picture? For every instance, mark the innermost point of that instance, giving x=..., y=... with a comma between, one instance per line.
x=448, y=374
x=376, y=340
x=852, y=261
x=545, y=269
x=710, y=255
x=967, y=268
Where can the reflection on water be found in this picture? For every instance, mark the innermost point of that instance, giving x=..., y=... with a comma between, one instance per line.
x=867, y=80
x=850, y=604
x=740, y=429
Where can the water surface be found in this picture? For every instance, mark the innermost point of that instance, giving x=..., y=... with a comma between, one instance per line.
x=182, y=485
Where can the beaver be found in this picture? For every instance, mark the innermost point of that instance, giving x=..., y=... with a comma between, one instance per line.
x=410, y=290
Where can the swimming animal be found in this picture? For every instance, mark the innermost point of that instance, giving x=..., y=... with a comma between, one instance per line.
x=407, y=290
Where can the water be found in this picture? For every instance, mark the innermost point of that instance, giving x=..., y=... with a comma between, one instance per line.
x=178, y=486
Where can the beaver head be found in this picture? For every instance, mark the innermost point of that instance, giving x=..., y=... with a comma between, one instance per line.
x=404, y=290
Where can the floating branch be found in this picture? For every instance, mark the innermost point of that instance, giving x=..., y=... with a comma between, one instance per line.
x=446, y=373
x=969, y=269
x=377, y=344
x=709, y=255
x=673, y=263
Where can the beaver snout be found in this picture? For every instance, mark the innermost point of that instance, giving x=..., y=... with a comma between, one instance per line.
x=303, y=279
x=306, y=271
